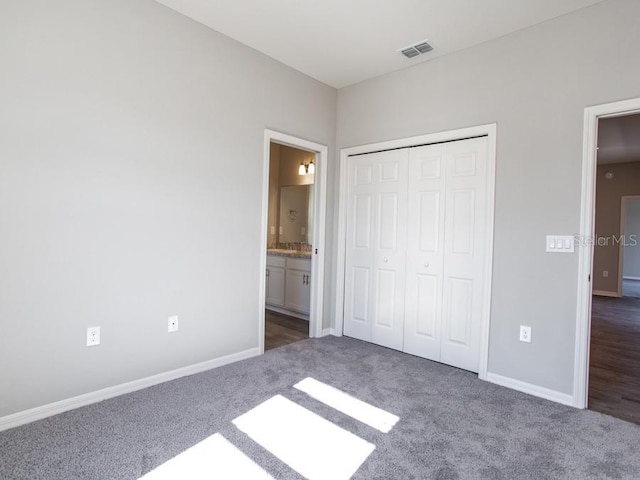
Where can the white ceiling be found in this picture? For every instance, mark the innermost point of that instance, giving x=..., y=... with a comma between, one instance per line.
x=619, y=139
x=341, y=42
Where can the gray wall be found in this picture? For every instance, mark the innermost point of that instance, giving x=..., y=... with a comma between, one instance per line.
x=609, y=193
x=535, y=84
x=131, y=150
x=631, y=258
x=131, y=146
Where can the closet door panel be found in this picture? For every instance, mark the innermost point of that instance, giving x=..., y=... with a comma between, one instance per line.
x=462, y=212
x=388, y=217
x=429, y=221
x=457, y=315
x=389, y=257
x=385, y=299
x=360, y=250
x=415, y=250
x=427, y=306
x=376, y=235
x=425, y=250
x=465, y=232
x=360, y=289
x=362, y=216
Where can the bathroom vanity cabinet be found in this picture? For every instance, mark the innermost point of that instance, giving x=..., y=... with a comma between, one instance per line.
x=288, y=285
x=275, y=280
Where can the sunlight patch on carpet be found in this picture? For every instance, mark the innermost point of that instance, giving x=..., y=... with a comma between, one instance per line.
x=308, y=443
x=343, y=402
x=213, y=457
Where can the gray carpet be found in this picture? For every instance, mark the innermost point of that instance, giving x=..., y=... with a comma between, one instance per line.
x=452, y=425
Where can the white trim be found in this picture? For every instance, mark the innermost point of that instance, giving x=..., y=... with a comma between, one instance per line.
x=621, y=247
x=284, y=311
x=329, y=331
x=490, y=130
x=587, y=231
x=531, y=389
x=488, y=265
x=38, y=413
x=262, y=282
x=604, y=293
x=631, y=278
x=320, y=209
x=623, y=227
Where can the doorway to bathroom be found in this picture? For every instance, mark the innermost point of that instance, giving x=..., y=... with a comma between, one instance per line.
x=293, y=233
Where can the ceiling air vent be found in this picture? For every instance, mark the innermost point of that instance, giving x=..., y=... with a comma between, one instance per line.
x=417, y=49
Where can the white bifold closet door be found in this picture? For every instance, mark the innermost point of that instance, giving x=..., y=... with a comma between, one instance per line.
x=432, y=295
x=376, y=250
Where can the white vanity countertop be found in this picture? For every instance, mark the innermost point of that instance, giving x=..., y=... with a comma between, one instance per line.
x=288, y=253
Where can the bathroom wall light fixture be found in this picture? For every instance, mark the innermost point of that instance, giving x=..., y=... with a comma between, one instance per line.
x=307, y=168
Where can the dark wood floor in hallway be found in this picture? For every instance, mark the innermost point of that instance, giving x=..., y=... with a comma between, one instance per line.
x=614, y=365
x=282, y=330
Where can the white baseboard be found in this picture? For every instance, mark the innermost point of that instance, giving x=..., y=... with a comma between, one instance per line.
x=631, y=278
x=604, y=293
x=531, y=389
x=38, y=413
x=329, y=331
x=284, y=311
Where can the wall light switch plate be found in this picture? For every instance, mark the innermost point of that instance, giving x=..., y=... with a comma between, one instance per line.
x=173, y=324
x=272, y=229
x=560, y=244
x=93, y=336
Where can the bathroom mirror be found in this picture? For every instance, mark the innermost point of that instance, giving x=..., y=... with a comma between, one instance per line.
x=295, y=219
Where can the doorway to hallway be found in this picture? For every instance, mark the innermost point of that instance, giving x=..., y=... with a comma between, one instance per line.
x=614, y=340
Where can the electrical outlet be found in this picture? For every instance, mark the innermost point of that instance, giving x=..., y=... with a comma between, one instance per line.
x=525, y=334
x=605, y=273
x=93, y=336
x=173, y=324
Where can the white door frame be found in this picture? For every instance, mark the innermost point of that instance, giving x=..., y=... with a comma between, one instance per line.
x=586, y=239
x=490, y=131
x=623, y=228
x=319, y=213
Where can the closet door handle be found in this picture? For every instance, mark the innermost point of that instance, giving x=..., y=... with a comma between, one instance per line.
x=426, y=264
x=385, y=260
